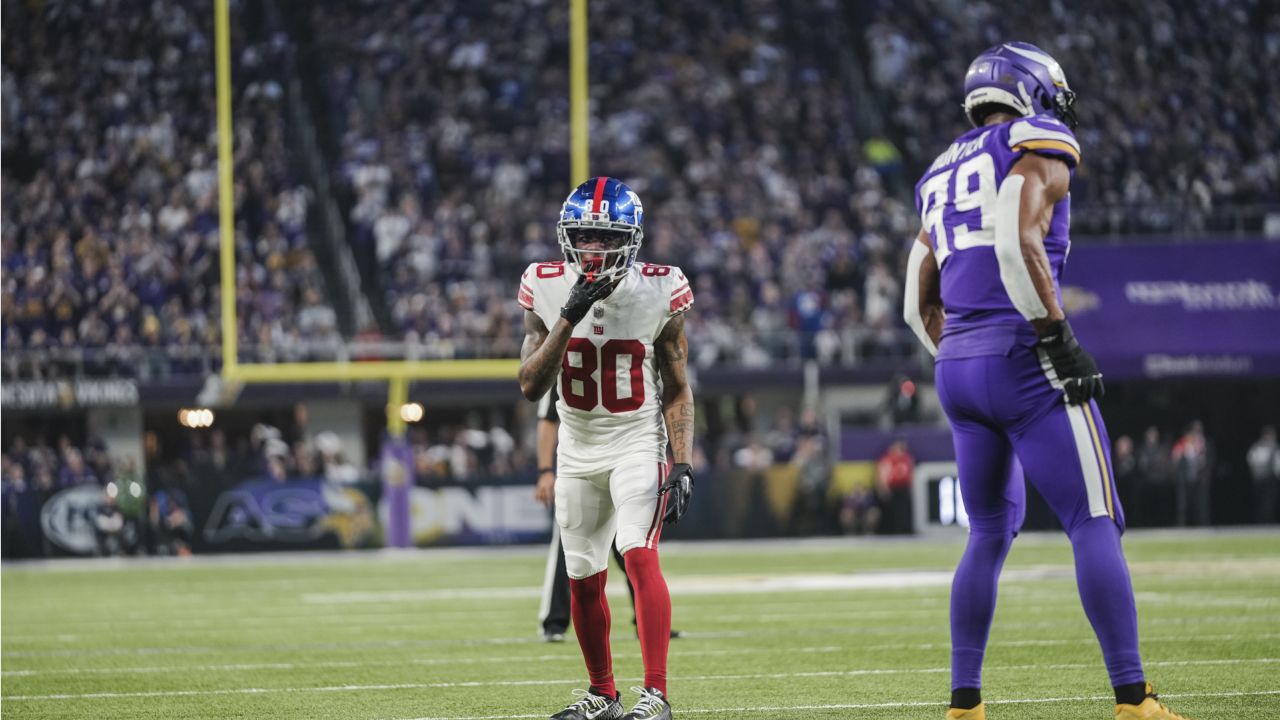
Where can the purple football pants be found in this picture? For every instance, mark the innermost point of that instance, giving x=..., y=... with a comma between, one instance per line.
x=1008, y=418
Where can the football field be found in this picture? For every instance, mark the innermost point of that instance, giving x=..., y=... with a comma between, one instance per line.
x=798, y=629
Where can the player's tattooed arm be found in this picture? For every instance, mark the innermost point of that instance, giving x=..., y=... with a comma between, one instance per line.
x=672, y=348
x=1045, y=181
x=541, y=354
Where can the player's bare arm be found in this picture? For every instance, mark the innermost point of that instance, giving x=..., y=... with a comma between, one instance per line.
x=545, y=489
x=1045, y=181
x=541, y=354
x=922, y=300
x=1031, y=190
x=672, y=348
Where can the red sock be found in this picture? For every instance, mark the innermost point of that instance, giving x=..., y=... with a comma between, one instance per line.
x=590, y=612
x=653, y=614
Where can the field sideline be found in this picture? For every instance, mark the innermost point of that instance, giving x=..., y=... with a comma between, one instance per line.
x=829, y=628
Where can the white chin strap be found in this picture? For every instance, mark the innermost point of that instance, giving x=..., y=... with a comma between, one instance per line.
x=911, y=297
x=997, y=96
x=1013, y=267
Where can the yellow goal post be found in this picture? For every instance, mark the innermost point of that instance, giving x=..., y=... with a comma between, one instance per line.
x=397, y=373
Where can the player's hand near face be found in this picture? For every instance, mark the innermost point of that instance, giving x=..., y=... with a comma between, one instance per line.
x=544, y=348
x=586, y=292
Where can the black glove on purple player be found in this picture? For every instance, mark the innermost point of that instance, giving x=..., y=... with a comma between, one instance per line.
x=1075, y=367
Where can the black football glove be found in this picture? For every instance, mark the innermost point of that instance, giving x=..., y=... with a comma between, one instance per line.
x=679, y=485
x=585, y=294
x=1075, y=367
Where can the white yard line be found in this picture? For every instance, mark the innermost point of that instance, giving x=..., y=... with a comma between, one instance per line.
x=567, y=656
x=865, y=706
x=577, y=680
x=618, y=636
x=706, y=585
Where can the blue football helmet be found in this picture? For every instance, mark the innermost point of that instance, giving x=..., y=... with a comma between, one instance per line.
x=600, y=228
x=1019, y=76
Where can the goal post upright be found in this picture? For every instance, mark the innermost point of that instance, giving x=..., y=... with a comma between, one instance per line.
x=398, y=373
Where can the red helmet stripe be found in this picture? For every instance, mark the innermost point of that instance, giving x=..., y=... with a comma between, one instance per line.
x=595, y=201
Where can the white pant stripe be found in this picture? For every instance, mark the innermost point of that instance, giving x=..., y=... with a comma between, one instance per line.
x=1090, y=463
x=549, y=579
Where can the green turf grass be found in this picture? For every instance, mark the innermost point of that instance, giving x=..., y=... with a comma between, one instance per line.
x=452, y=634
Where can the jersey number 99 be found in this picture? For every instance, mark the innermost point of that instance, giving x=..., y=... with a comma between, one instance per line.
x=606, y=359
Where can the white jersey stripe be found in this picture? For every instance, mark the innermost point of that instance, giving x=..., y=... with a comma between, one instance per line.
x=1024, y=131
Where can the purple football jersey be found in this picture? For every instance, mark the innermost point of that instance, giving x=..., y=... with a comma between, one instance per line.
x=956, y=200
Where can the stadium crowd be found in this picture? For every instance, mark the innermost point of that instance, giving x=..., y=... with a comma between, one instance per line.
x=736, y=122
x=726, y=119
x=110, y=229
x=1174, y=97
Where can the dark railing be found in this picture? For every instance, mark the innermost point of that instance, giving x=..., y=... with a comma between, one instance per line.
x=850, y=347
x=1172, y=221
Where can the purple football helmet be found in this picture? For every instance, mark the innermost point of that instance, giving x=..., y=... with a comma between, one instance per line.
x=1019, y=76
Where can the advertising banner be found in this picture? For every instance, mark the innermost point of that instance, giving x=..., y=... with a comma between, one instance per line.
x=1166, y=310
x=266, y=514
x=65, y=394
x=475, y=515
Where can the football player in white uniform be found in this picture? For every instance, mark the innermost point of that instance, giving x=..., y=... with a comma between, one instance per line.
x=611, y=330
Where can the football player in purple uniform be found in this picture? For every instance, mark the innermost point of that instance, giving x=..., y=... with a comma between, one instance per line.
x=982, y=294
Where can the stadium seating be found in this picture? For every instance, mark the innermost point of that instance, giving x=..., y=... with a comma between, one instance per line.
x=774, y=144
x=1174, y=99
x=110, y=196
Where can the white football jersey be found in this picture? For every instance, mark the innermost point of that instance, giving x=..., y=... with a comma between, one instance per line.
x=610, y=402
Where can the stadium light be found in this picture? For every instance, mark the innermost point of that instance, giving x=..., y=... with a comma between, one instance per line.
x=195, y=418
x=411, y=412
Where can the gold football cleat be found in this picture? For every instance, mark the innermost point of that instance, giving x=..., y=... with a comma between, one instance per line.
x=978, y=712
x=1149, y=709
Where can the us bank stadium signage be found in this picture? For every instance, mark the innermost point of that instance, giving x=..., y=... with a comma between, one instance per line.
x=54, y=394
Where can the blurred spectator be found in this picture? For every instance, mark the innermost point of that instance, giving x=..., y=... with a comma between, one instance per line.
x=1124, y=463
x=170, y=520
x=894, y=473
x=1264, y=469
x=782, y=437
x=812, y=460
x=902, y=402
x=1193, y=473
x=754, y=456
x=74, y=472
x=1155, y=470
x=109, y=525
x=859, y=512
x=336, y=466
